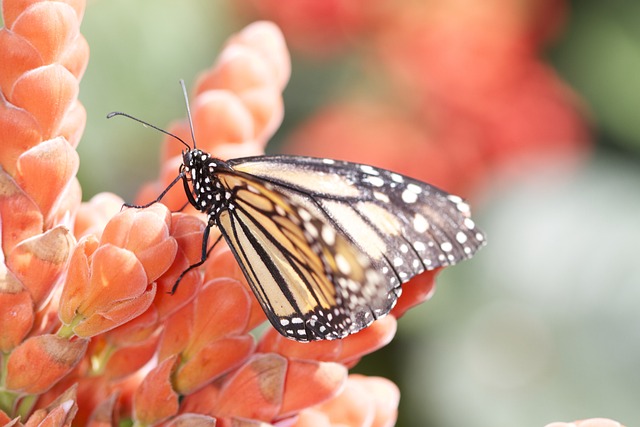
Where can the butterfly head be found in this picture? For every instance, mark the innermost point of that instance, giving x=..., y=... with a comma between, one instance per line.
x=200, y=170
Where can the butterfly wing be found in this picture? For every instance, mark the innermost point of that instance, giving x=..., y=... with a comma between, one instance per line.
x=311, y=281
x=401, y=225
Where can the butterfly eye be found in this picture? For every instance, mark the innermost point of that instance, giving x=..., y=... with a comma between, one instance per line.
x=186, y=158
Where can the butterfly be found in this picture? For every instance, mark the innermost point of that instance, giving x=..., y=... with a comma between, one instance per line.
x=325, y=245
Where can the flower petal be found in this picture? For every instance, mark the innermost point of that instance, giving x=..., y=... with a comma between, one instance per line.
x=48, y=26
x=16, y=228
x=125, y=360
x=18, y=57
x=212, y=361
x=116, y=275
x=41, y=361
x=39, y=261
x=76, y=287
x=47, y=92
x=45, y=170
x=309, y=383
x=260, y=382
x=16, y=311
x=155, y=400
x=116, y=315
x=192, y=420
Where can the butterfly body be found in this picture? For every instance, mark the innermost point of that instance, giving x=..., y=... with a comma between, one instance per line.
x=204, y=190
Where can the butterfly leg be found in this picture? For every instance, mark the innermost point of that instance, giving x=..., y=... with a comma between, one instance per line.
x=174, y=182
x=204, y=256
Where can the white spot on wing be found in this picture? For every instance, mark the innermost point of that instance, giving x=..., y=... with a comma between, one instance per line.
x=376, y=181
x=414, y=188
x=420, y=223
x=381, y=196
x=304, y=214
x=409, y=196
x=342, y=264
x=369, y=170
x=328, y=235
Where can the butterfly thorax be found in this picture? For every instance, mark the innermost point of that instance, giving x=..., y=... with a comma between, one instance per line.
x=204, y=189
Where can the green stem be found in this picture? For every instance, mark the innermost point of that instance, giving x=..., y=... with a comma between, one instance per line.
x=66, y=331
x=25, y=406
x=8, y=402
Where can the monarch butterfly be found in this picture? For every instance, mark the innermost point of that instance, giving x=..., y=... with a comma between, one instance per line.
x=324, y=244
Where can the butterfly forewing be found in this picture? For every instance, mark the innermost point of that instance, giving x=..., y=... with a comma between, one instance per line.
x=312, y=282
x=404, y=226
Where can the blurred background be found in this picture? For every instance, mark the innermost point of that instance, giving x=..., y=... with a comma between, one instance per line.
x=528, y=108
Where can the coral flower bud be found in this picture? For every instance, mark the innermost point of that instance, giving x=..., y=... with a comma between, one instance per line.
x=58, y=413
x=210, y=342
x=16, y=311
x=41, y=361
x=193, y=420
x=98, y=297
x=39, y=261
x=144, y=232
x=155, y=400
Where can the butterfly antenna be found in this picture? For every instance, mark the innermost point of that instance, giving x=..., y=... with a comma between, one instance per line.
x=118, y=113
x=186, y=100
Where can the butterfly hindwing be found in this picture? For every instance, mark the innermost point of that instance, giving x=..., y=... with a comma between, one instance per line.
x=312, y=282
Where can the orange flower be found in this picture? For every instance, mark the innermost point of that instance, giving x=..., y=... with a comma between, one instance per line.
x=209, y=343
x=41, y=120
x=58, y=413
x=155, y=400
x=367, y=401
x=272, y=387
x=16, y=311
x=38, y=363
x=97, y=297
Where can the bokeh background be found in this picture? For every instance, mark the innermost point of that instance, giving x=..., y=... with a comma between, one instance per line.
x=529, y=108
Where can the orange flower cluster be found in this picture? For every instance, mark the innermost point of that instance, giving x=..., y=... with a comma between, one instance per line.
x=88, y=332
x=41, y=122
x=456, y=88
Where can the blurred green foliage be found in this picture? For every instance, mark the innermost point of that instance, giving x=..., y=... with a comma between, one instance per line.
x=599, y=55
